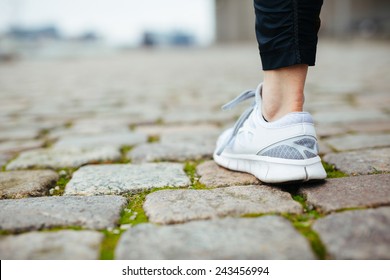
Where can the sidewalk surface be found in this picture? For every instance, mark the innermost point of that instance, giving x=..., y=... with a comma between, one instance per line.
x=110, y=157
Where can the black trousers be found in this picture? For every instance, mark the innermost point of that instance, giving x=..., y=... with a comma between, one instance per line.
x=286, y=31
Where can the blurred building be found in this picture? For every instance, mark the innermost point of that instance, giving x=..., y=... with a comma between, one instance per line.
x=235, y=19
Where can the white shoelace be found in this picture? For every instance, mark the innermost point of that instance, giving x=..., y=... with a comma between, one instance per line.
x=240, y=98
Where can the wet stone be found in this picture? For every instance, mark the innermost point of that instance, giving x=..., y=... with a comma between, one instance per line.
x=60, y=158
x=93, y=212
x=349, y=192
x=61, y=245
x=213, y=175
x=359, y=141
x=361, y=162
x=18, y=184
x=268, y=237
x=125, y=178
x=359, y=235
x=178, y=206
x=114, y=140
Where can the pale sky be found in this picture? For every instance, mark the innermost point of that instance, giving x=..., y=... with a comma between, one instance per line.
x=119, y=21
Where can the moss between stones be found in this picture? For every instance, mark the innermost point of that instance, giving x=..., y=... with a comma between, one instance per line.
x=190, y=170
x=68, y=124
x=257, y=215
x=304, y=227
x=108, y=245
x=124, y=151
x=5, y=232
x=65, y=174
x=332, y=172
x=303, y=223
x=133, y=214
x=153, y=138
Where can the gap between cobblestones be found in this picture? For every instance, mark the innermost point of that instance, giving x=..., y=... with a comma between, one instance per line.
x=332, y=172
x=190, y=170
x=133, y=214
x=302, y=223
x=124, y=150
x=65, y=174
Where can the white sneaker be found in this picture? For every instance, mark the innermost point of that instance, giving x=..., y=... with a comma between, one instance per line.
x=275, y=152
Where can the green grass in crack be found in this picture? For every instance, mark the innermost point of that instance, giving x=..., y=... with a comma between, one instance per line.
x=124, y=151
x=65, y=174
x=332, y=172
x=108, y=245
x=304, y=227
x=190, y=170
x=133, y=214
x=153, y=138
x=303, y=223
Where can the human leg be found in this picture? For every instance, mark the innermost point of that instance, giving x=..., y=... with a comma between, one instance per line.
x=284, y=149
x=286, y=32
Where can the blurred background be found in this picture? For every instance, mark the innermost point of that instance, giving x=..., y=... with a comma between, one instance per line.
x=93, y=66
x=36, y=28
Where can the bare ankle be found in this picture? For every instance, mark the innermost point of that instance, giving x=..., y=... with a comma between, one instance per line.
x=283, y=91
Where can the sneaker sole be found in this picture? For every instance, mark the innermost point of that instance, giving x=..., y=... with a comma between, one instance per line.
x=273, y=170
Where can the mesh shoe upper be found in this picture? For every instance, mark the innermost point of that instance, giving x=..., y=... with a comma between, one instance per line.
x=291, y=137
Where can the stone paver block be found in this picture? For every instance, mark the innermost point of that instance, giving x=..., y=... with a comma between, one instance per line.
x=324, y=148
x=213, y=175
x=368, y=127
x=268, y=237
x=18, y=184
x=184, y=115
x=206, y=137
x=349, y=192
x=180, y=145
x=60, y=158
x=359, y=141
x=361, y=162
x=19, y=133
x=361, y=234
x=349, y=115
x=93, y=212
x=4, y=158
x=326, y=130
x=176, y=129
x=126, y=178
x=20, y=145
x=115, y=140
x=373, y=100
x=170, y=152
x=178, y=206
x=61, y=245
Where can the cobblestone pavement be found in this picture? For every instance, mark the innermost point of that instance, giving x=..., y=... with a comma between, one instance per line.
x=120, y=146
